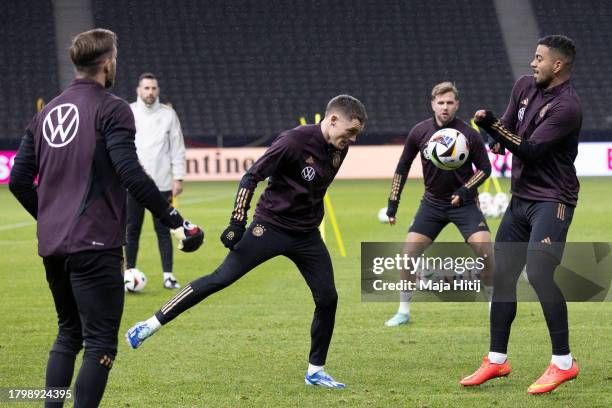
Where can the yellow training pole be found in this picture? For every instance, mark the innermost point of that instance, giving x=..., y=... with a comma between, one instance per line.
x=334, y=223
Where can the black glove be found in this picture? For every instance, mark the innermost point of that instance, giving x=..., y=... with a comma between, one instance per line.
x=232, y=234
x=190, y=236
x=465, y=195
x=172, y=218
x=501, y=150
x=392, y=208
x=487, y=121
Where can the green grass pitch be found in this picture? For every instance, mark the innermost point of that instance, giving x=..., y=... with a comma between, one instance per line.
x=248, y=345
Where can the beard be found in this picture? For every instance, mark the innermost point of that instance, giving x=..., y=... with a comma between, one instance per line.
x=543, y=83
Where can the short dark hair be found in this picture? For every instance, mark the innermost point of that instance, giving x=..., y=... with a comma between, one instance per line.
x=89, y=48
x=562, y=44
x=349, y=106
x=146, y=75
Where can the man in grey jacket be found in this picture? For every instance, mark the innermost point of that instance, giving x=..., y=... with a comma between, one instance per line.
x=161, y=151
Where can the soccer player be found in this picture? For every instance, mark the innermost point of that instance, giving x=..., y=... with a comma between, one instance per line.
x=161, y=151
x=300, y=164
x=450, y=195
x=540, y=127
x=81, y=146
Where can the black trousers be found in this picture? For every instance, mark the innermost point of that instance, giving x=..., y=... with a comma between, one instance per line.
x=260, y=243
x=87, y=289
x=531, y=233
x=135, y=218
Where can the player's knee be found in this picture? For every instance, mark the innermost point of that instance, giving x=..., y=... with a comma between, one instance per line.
x=69, y=343
x=327, y=299
x=103, y=357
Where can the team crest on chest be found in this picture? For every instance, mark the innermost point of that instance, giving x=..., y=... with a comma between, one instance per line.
x=337, y=159
x=259, y=230
x=521, y=112
x=308, y=173
x=310, y=160
x=544, y=110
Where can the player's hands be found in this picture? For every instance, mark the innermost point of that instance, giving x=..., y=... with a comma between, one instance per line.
x=479, y=115
x=190, y=236
x=460, y=196
x=392, y=206
x=177, y=187
x=484, y=118
x=497, y=148
x=232, y=234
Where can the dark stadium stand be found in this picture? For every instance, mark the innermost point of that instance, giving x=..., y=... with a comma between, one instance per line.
x=28, y=67
x=243, y=69
x=589, y=23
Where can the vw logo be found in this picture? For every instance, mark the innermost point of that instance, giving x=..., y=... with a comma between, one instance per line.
x=521, y=114
x=62, y=121
x=308, y=173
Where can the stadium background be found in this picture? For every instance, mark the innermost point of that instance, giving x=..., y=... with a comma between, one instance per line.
x=240, y=71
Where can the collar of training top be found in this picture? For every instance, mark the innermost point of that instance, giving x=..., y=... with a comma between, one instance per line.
x=450, y=124
x=557, y=90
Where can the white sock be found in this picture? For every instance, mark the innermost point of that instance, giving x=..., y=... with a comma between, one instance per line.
x=404, y=304
x=153, y=323
x=314, y=369
x=168, y=275
x=497, y=358
x=563, y=362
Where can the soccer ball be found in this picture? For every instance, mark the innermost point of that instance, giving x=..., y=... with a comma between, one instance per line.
x=447, y=149
x=500, y=201
x=134, y=280
x=485, y=199
x=493, y=206
x=382, y=215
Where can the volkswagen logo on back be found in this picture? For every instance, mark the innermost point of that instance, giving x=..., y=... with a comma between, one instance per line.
x=61, y=125
x=308, y=173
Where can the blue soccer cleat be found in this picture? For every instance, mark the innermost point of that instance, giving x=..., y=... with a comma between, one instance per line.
x=322, y=379
x=398, y=320
x=136, y=335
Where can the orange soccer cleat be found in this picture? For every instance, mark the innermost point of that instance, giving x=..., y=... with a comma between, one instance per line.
x=552, y=378
x=487, y=371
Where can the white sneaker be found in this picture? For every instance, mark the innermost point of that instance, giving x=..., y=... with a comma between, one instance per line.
x=170, y=283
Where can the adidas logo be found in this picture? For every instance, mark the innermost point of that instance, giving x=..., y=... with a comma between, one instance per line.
x=482, y=224
x=546, y=241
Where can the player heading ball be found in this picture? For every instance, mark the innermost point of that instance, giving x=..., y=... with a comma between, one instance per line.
x=301, y=164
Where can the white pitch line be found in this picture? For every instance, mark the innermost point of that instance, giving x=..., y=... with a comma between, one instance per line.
x=181, y=203
x=17, y=225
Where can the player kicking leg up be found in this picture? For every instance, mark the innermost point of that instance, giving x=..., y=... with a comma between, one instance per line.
x=301, y=164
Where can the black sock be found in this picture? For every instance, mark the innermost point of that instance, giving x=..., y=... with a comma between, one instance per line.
x=60, y=369
x=540, y=269
x=91, y=381
x=502, y=316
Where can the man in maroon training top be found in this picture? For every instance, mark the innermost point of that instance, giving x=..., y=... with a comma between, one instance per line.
x=450, y=195
x=81, y=146
x=541, y=127
x=300, y=164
